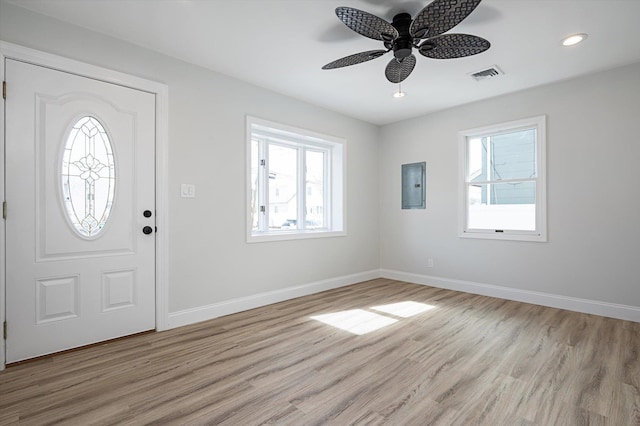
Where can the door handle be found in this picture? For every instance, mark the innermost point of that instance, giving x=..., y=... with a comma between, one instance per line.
x=147, y=230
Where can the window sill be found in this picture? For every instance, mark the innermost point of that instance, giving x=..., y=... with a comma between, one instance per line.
x=292, y=235
x=508, y=236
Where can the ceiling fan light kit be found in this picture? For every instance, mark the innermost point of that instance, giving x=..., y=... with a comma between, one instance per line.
x=425, y=33
x=399, y=93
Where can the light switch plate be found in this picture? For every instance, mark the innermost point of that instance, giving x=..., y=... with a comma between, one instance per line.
x=188, y=190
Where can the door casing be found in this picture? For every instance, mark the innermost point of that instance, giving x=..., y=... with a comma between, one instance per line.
x=161, y=91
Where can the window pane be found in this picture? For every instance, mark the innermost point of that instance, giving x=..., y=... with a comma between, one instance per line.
x=513, y=155
x=506, y=206
x=315, y=190
x=88, y=176
x=283, y=197
x=255, y=167
x=477, y=160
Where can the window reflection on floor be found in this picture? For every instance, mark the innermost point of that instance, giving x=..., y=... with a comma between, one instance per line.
x=404, y=309
x=360, y=321
x=356, y=321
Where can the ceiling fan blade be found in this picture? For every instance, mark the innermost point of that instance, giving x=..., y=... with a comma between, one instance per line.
x=450, y=46
x=397, y=71
x=367, y=24
x=354, y=59
x=440, y=16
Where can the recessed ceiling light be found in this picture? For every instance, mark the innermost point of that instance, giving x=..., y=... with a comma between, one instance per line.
x=573, y=39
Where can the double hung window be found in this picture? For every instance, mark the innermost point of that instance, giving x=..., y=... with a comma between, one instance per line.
x=503, y=181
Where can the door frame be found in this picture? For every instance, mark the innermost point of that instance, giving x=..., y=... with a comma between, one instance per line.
x=161, y=92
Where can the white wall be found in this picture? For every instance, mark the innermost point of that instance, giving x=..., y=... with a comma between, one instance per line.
x=210, y=260
x=593, y=193
x=593, y=154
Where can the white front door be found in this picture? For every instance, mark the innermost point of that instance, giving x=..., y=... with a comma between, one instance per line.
x=80, y=193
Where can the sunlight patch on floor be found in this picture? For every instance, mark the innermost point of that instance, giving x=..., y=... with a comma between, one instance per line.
x=356, y=321
x=360, y=321
x=404, y=309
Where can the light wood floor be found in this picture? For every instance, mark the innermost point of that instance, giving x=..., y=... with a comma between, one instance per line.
x=469, y=360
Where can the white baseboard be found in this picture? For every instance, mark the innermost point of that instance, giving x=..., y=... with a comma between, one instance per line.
x=605, y=309
x=215, y=310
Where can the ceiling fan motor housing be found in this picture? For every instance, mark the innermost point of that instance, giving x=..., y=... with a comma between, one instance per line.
x=403, y=44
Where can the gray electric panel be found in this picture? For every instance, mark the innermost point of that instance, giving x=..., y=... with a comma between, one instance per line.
x=414, y=184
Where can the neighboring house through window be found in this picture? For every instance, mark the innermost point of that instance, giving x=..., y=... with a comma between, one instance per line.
x=295, y=183
x=503, y=189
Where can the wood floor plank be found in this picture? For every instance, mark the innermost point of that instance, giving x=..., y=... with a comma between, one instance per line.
x=466, y=359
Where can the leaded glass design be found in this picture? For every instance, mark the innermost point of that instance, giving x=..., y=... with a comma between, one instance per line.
x=88, y=176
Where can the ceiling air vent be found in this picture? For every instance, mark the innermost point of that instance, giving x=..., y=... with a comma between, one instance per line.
x=487, y=73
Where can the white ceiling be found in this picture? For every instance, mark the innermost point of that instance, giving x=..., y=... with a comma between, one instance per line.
x=282, y=44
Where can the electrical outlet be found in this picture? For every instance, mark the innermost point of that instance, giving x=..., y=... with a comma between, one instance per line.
x=429, y=263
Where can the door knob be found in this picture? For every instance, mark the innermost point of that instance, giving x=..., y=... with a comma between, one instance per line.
x=147, y=230
x=146, y=213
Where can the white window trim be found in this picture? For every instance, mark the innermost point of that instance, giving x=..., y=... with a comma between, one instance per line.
x=540, y=234
x=336, y=202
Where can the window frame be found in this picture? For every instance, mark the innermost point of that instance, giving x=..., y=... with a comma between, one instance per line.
x=334, y=180
x=540, y=233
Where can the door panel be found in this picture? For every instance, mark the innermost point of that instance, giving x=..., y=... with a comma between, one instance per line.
x=67, y=288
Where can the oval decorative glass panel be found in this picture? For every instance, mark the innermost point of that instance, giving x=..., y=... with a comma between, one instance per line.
x=88, y=176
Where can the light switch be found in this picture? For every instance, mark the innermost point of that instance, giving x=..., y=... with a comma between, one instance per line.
x=188, y=190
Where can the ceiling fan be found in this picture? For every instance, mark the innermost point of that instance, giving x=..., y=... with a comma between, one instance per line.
x=425, y=33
